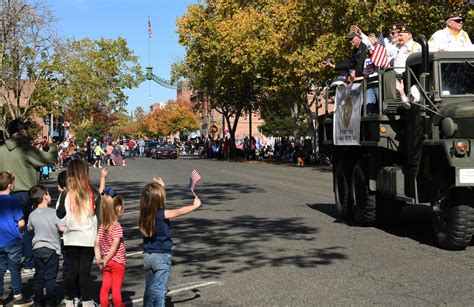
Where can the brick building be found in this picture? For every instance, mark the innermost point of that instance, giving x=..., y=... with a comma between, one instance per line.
x=211, y=117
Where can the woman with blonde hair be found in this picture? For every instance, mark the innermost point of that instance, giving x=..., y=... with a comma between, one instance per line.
x=80, y=206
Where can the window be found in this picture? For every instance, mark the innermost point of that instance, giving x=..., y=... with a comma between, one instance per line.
x=457, y=78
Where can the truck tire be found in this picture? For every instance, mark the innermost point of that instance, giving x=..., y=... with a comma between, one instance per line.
x=363, y=201
x=452, y=225
x=341, y=191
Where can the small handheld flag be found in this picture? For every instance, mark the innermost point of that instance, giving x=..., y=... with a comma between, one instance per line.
x=380, y=55
x=195, y=177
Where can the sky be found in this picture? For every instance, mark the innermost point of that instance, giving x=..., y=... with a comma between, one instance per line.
x=129, y=19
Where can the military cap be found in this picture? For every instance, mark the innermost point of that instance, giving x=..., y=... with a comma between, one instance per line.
x=455, y=15
x=395, y=27
x=405, y=29
x=351, y=35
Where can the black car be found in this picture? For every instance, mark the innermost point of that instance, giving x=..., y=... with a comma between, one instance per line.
x=165, y=152
x=150, y=148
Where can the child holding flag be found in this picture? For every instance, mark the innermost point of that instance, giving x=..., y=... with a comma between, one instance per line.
x=154, y=224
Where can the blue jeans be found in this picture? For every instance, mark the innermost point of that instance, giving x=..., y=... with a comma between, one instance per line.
x=46, y=271
x=25, y=202
x=157, y=272
x=10, y=258
x=371, y=98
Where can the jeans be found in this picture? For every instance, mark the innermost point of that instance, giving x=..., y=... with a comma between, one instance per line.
x=112, y=279
x=25, y=202
x=46, y=271
x=157, y=273
x=10, y=258
x=371, y=98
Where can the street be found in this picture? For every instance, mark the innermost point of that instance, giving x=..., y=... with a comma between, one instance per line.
x=267, y=235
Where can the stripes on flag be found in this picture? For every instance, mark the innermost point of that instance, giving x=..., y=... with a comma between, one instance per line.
x=117, y=158
x=195, y=177
x=150, y=30
x=380, y=55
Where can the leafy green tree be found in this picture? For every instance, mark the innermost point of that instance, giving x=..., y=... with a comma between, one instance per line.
x=94, y=72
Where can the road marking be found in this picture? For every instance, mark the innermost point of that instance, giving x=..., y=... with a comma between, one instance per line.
x=134, y=254
x=186, y=288
x=205, y=284
x=131, y=212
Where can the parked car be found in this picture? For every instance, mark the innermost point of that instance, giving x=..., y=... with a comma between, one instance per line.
x=150, y=148
x=165, y=152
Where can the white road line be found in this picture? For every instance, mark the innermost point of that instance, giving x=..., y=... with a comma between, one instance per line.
x=131, y=228
x=134, y=254
x=205, y=284
x=199, y=285
x=131, y=212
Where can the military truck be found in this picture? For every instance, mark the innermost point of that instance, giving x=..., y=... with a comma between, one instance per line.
x=417, y=156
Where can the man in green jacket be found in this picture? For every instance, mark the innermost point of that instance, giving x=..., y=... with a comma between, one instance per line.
x=22, y=159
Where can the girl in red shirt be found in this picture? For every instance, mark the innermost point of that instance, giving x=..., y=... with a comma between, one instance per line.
x=110, y=249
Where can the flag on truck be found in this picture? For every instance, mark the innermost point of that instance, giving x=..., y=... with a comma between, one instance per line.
x=380, y=54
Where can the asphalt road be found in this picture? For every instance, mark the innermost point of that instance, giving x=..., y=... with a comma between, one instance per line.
x=267, y=235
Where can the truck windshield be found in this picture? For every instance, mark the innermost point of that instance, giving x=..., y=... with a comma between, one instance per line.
x=457, y=78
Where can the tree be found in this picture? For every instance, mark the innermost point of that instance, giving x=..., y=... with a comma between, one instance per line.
x=94, y=72
x=26, y=42
x=221, y=53
x=173, y=117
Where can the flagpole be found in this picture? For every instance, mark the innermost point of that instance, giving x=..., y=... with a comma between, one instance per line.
x=149, y=55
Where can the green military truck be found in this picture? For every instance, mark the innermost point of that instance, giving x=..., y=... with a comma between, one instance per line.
x=403, y=157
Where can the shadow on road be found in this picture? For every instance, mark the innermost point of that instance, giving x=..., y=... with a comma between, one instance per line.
x=246, y=243
x=415, y=222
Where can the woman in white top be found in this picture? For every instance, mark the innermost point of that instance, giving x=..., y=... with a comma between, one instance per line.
x=80, y=206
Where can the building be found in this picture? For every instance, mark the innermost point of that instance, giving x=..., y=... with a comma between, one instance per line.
x=211, y=119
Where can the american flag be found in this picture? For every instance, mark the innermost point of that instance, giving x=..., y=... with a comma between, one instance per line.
x=150, y=31
x=116, y=157
x=380, y=55
x=195, y=177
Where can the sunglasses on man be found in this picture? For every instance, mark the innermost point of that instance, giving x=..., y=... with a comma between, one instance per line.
x=457, y=20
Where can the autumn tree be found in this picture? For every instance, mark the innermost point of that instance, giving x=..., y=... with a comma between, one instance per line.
x=173, y=117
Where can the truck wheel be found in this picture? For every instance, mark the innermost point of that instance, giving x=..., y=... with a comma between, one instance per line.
x=453, y=226
x=363, y=202
x=341, y=191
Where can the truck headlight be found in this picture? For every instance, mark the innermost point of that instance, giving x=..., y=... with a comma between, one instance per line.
x=461, y=147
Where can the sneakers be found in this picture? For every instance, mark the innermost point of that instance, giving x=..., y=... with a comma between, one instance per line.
x=90, y=303
x=28, y=271
x=18, y=300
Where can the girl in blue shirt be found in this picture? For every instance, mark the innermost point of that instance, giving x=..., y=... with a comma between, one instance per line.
x=154, y=225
